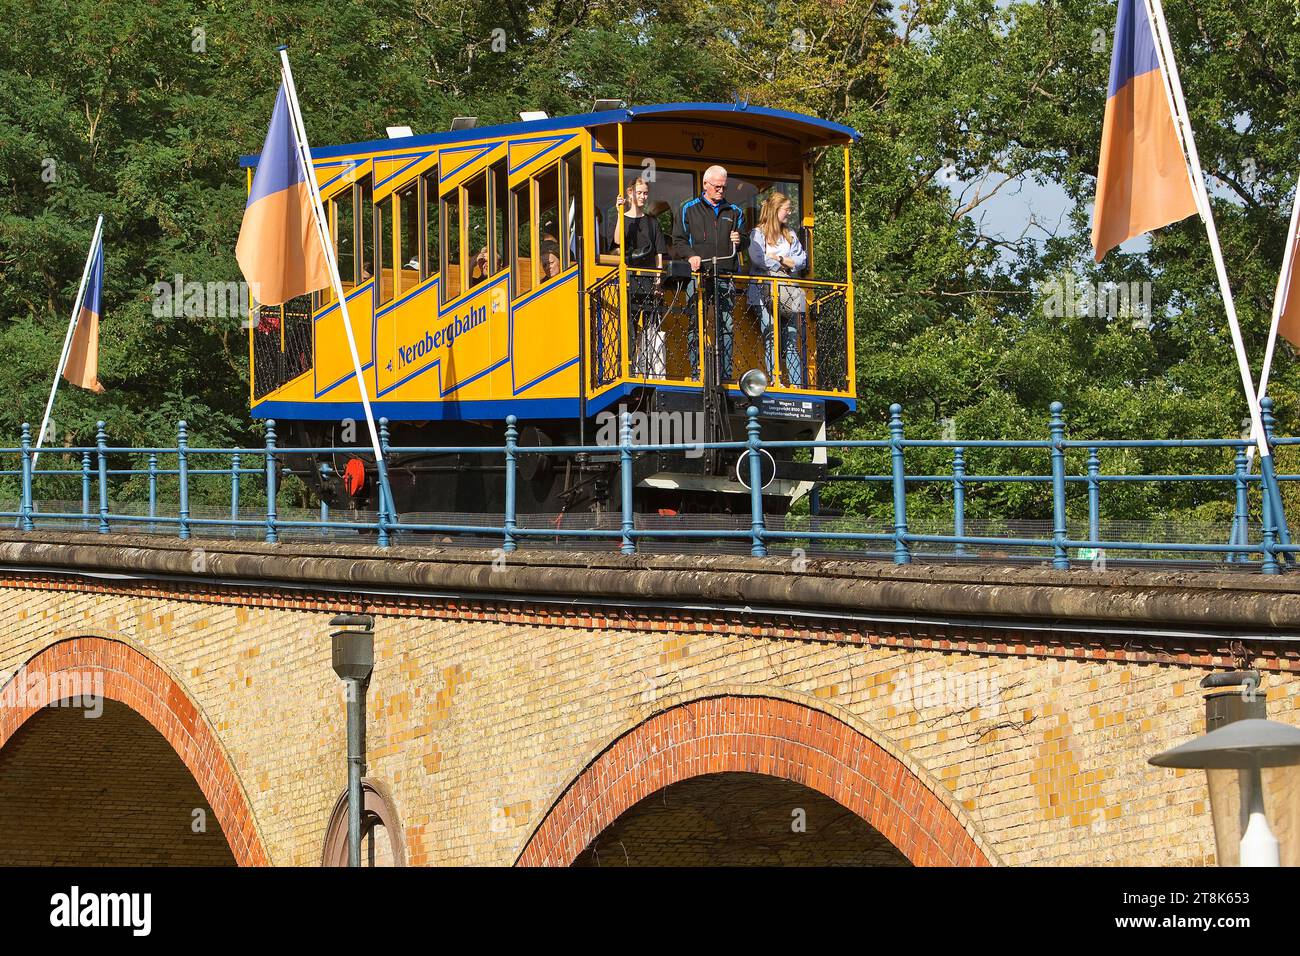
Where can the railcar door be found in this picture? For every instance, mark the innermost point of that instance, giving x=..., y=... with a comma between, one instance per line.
x=547, y=239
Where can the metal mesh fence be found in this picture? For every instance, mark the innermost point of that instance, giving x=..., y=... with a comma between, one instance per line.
x=282, y=344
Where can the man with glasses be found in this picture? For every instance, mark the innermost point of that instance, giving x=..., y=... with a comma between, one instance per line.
x=707, y=234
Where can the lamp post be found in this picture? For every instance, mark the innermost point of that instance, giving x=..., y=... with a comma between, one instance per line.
x=1252, y=770
x=353, y=654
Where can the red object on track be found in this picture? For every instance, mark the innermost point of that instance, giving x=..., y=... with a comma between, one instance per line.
x=354, y=476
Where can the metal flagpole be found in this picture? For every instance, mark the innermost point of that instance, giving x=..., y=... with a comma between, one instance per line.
x=318, y=214
x=1165, y=53
x=67, y=339
x=1279, y=300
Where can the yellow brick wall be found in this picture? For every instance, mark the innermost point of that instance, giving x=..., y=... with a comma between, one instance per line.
x=478, y=725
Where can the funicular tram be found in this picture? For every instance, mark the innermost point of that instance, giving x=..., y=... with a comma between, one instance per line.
x=481, y=283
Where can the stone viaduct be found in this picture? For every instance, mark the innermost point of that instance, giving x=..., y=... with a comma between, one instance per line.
x=561, y=708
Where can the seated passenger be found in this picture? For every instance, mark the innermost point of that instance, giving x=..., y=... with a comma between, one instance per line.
x=646, y=248
x=774, y=250
x=707, y=234
x=478, y=268
x=549, y=257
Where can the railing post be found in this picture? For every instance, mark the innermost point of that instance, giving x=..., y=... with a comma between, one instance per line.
x=959, y=497
x=271, y=536
x=101, y=446
x=625, y=476
x=512, y=443
x=183, y=473
x=1270, y=518
x=1269, y=535
x=153, y=491
x=325, y=472
x=234, y=492
x=902, y=554
x=25, y=499
x=1061, y=557
x=386, y=509
x=85, y=490
x=1241, y=513
x=753, y=429
x=1268, y=479
x=1094, y=497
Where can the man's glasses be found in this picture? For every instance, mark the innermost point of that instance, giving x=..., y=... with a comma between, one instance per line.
x=720, y=188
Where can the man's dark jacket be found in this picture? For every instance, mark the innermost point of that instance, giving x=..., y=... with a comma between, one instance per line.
x=701, y=229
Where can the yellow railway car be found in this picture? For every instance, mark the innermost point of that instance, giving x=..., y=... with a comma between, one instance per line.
x=482, y=282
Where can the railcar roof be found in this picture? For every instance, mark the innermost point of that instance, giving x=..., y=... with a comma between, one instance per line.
x=808, y=129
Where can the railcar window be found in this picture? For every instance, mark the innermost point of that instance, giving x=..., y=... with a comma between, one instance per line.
x=345, y=238
x=365, y=216
x=451, y=271
x=521, y=200
x=476, y=228
x=572, y=207
x=668, y=190
x=550, y=233
x=500, y=210
x=408, y=238
x=384, y=243
x=749, y=193
x=430, y=260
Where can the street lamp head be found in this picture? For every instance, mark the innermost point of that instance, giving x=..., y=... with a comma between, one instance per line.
x=1252, y=769
x=353, y=646
x=1240, y=745
x=754, y=384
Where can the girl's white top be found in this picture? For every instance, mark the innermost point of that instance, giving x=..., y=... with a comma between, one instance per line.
x=765, y=260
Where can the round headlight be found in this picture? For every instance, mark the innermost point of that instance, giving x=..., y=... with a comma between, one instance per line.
x=754, y=383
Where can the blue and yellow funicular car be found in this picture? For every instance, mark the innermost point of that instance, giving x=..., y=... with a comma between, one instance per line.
x=481, y=282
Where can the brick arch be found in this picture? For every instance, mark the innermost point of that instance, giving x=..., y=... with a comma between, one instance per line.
x=765, y=735
x=140, y=683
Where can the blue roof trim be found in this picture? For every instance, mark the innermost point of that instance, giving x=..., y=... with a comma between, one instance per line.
x=570, y=122
x=802, y=119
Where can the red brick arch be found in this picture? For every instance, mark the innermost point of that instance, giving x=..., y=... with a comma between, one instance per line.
x=763, y=735
x=133, y=679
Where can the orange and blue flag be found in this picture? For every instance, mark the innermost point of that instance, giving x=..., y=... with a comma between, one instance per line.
x=1289, y=288
x=279, y=249
x=82, y=367
x=1142, y=180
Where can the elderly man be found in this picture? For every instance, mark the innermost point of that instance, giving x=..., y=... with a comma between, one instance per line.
x=707, y=233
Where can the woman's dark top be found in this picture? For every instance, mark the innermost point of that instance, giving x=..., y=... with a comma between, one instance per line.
x=643, y=239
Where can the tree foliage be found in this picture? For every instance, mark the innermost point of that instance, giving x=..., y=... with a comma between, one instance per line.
x=140, y=108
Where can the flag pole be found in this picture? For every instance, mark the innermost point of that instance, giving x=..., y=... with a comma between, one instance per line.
x=67, y=339
x=1165, y=53
x=318, y=215
x=1280, y=297
x=1279, y=303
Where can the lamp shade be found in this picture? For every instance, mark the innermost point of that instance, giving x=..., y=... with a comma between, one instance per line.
x=1240, y=745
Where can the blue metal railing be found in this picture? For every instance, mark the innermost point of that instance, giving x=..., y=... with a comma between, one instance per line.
x=91, y=466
